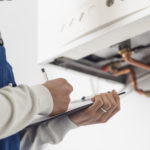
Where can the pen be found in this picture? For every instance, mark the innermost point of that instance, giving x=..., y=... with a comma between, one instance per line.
x=45, y=74
x=89, y=97
x=84, y=98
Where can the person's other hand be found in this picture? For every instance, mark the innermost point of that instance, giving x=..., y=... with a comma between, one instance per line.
x=60, y=90
x=93, y=115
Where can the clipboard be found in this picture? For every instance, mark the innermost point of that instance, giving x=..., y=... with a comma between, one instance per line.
x=74, y=106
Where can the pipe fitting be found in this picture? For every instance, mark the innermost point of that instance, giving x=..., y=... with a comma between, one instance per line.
x=111, y=67
x=126, y=55
x=147, y=93
x=133, y=80
x=125, y=51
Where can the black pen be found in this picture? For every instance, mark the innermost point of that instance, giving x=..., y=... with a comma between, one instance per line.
x=45, y=74
x=84, y=98
x=88, y=98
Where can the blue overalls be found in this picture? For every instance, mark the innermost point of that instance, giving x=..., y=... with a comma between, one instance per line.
x=6, y=77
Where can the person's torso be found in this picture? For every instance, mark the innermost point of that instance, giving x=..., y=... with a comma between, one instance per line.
x=7, y=78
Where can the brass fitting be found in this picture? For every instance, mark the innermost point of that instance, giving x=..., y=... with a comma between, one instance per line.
x=147, y=93
x=125, y=51
x=133, y=80
x=113, y=66
x=126, y=55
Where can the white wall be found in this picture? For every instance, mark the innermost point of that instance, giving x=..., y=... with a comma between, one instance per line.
x=128, y=130
x=18, y=25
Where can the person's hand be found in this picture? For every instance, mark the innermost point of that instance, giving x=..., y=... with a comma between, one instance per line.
x=94, y=114
x=60, y=90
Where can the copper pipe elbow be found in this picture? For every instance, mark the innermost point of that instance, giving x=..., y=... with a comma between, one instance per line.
x=126, y=55
x=133, y=80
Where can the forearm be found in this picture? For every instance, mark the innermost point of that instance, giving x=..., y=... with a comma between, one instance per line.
x=52, y=132
x=19, y=105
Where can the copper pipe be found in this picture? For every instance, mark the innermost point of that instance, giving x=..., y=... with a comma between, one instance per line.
x=133, y=80
x=126, y=55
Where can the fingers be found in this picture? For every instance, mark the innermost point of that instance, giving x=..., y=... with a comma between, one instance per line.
x=93, y=111
x=111, y=99
x=94, y=114
x=104, y=101
x=113, y=113
x=98, y=103
x=116, y=96
x=99, y=115
x=115, y=106
x=107, y=101
x=111, y=103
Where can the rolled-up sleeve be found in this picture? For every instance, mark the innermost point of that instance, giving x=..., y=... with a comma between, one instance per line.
x=19, y=105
